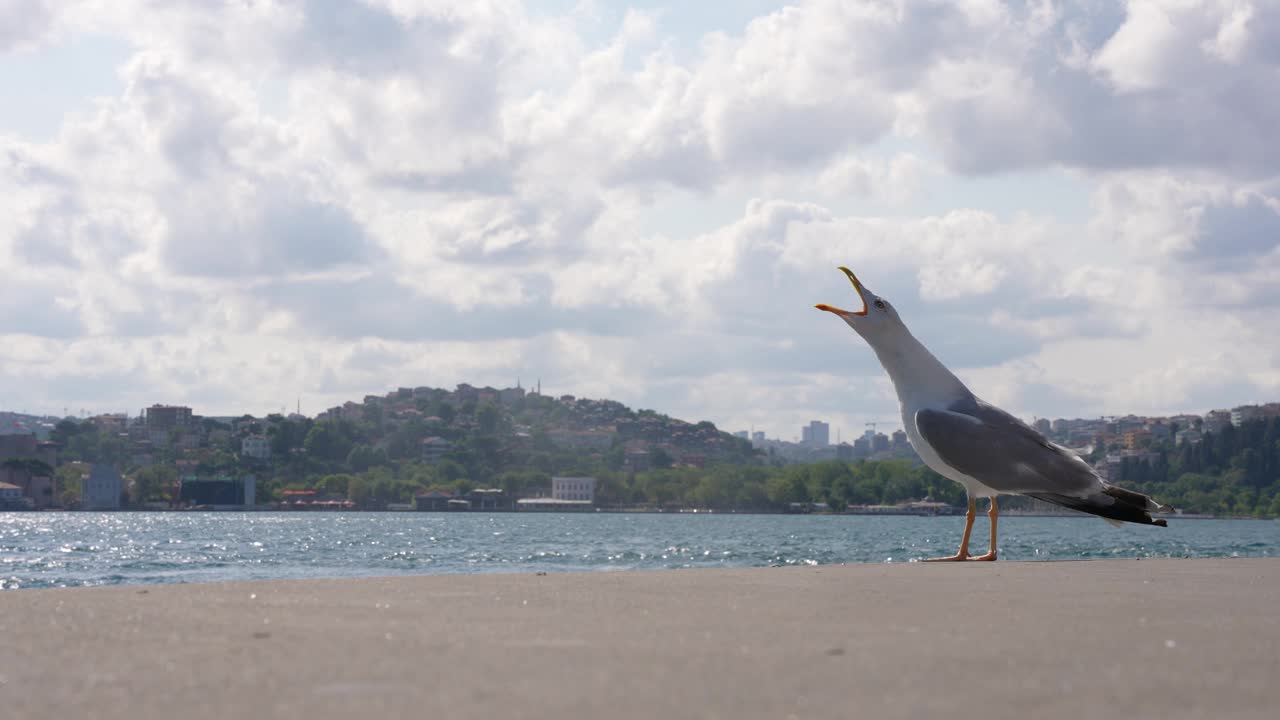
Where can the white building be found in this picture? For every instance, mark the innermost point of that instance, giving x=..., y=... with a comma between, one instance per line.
x=256, y=446
x=1190, y=435
x=573, y=488
x=1245, y=413
x=102, y=488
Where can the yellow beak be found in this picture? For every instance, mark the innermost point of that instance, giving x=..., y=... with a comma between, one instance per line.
x=856, y=286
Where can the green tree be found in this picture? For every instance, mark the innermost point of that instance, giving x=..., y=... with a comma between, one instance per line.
x=787, y=487
x=660, y=458
x=69, y=478
x=487, y=417
x=153, y=484
x=446, y=412
x=362, y=457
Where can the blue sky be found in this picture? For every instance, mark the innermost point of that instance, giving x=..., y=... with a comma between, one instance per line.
x=230, y=205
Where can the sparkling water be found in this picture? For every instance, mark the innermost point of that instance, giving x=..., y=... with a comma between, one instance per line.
x=62, y=549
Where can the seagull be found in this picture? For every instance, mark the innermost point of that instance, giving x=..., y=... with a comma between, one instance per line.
x=976, y=444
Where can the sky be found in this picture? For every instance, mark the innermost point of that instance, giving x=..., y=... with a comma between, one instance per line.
x=241, y=206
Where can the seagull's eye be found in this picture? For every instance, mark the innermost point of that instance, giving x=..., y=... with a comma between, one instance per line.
x=879, y=304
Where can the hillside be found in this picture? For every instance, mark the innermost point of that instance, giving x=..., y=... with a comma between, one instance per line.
x=388, y=448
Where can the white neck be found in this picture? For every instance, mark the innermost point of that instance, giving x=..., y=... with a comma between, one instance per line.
x=917, y=375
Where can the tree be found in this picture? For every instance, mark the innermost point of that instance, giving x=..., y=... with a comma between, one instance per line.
x=69, y=479
x=330, y=440
x=337, y=484
x=34, y=467
x=286, y=435
x=360, y=491
x=153, y=484
x=449, y=470
x=487, y=417
x=65, y=430
x=661, y=458
x=786, y=488
x=445, y=412
x=362, y=457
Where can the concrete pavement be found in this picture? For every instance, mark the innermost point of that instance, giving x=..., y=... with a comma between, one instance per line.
x=1115, y=638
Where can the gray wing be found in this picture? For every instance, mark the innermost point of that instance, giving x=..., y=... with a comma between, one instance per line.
x=1002, y=452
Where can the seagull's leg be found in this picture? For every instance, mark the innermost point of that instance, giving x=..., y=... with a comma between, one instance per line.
x=964, y=541
x=994, y=514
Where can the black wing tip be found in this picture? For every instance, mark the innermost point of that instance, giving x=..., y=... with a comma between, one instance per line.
x=1115, y=509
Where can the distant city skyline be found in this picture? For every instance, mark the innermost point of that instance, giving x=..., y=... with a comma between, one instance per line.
x=234, y=205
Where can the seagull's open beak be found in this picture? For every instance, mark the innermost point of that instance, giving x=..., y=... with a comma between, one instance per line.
x=856, y=286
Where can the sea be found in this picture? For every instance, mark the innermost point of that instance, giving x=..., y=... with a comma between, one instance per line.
x=71, y=549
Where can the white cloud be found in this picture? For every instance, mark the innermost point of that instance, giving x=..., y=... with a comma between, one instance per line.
x=332, y=198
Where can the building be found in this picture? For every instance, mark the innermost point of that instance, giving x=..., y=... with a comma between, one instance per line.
x=637, y=460
x=33, y=476
x=844, y=451
x=256, y=446
x=816, y=434
x=434, y=448
x=879, y=443
x=167, y=417
x=1135, y=438
x=218, y=490
x=1043, y=426
x=18, y=445
x=861, y=447
x=1190, y=435
x=757, y=438
x=581, y=439
x=1159, y=430
x=511, y=396
x=432, y=500
x=102, y=488
x=742, y=434
x=1245, y=413
x=11, y=498
x=1215, y=420
x=111, y=422
x=567, y=494
x=899, y=440
x=573, y=488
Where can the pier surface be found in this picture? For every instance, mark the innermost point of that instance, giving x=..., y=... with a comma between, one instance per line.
x=1111, y=638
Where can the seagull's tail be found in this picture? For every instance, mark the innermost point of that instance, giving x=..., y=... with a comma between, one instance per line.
x=1113, y=503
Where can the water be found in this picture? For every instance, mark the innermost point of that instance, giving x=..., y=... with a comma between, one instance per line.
x=74, y=549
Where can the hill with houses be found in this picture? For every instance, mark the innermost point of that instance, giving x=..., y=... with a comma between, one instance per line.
x=506, y=444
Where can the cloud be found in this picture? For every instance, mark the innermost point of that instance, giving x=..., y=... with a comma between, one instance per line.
x=24, y=24
x=333, y=198
x=1168, y=84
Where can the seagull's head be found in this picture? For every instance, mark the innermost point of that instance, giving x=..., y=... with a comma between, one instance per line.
x=876, y=320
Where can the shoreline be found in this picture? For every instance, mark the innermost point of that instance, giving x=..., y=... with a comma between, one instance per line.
x=617, y=511
x=1145, y=638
